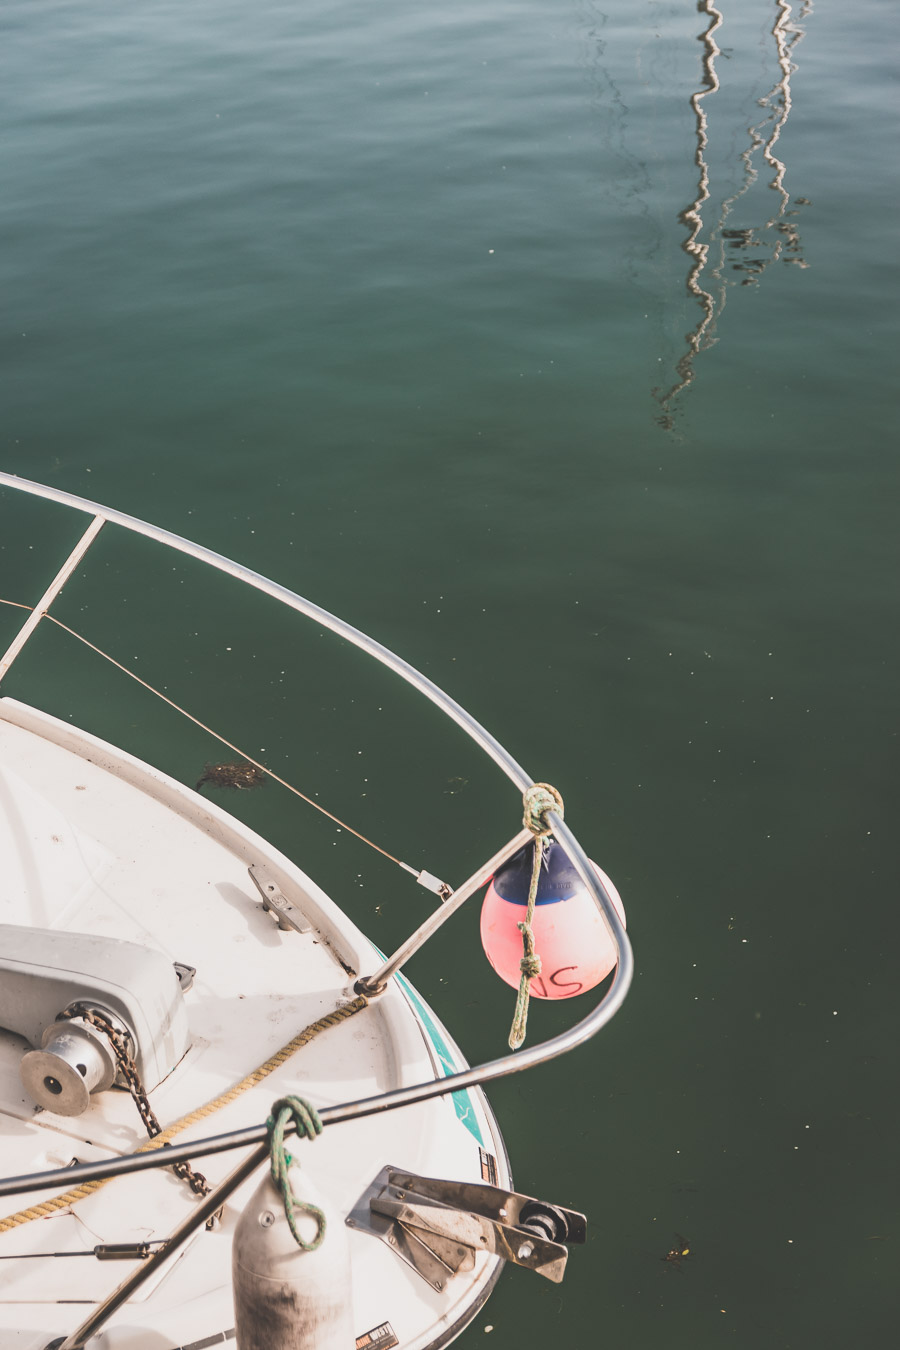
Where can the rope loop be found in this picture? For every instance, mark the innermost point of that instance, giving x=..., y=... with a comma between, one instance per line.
x=308, y=1125
x=537, y=801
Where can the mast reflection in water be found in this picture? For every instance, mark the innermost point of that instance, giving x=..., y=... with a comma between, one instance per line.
x=743, y=249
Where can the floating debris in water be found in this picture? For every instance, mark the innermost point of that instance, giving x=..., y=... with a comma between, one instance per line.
x=235, y=775
x=676, y=1255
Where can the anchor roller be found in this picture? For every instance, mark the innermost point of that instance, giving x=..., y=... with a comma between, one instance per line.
x=438, y=1227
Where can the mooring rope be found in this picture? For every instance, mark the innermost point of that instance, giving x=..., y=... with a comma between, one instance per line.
x=537, y=800
x=309, y=1126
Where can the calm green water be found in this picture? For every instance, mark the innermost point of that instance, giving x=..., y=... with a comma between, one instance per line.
x=551, y=344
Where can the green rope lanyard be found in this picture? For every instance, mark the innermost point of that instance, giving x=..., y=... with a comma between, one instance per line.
x=306, y=1119
x=538, y=800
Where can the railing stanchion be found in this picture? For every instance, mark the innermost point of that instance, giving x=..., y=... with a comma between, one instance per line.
x=375, y=983
x=51, y=593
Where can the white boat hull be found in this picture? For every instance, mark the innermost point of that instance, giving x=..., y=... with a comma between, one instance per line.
x=95, y=841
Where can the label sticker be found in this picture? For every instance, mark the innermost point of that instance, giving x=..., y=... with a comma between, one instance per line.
x=379, y=1338
x=488, y=1167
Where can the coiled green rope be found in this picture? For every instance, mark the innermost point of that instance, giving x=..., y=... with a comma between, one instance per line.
x=306, y=1119
x=537, y=800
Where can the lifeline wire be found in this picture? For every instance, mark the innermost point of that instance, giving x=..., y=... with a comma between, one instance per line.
x=202, y=725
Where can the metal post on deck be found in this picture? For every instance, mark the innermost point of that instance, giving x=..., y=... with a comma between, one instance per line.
x=51, y=593
x=377, y=982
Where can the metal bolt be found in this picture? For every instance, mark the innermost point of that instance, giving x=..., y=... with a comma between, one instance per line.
x=266, y=1219
x=525, y=1251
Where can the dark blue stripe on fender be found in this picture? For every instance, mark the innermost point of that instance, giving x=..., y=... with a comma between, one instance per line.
x=547, y=900
x=558, y=879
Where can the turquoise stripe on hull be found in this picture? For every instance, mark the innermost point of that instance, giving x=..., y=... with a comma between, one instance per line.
x=462, y=1102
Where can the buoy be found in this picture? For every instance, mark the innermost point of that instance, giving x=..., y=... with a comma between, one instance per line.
x=570, y=935
x=286, y=1298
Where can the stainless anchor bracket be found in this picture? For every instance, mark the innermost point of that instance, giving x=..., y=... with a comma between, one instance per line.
x=438, y=1226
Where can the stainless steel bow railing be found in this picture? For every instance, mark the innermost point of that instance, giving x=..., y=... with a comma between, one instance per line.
x=473, y=1077
x=509, y=1064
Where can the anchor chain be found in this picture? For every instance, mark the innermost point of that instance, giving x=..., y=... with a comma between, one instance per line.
x=120, y=1042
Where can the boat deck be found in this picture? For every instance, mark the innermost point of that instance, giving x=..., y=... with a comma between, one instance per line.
x=94, y=841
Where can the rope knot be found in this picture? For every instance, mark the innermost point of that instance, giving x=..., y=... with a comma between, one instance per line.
x=537, y=801
x=308, y=1125
x=530, y=964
